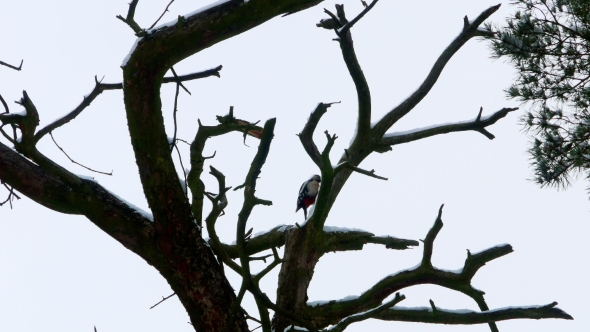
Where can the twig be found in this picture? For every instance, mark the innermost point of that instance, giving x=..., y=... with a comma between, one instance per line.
x=129, y=19
x=11, y=66
x=173, y=144
x=370, y=173
x=344, y=323
x=75, y=162
x=163, y=299
x=183, y=141
x=205, y=73
x=178, y=81
x=261, y=258
x=183, y=172
x=159, y=18
x=350, y=24
x=11, y=194
x=6, y=110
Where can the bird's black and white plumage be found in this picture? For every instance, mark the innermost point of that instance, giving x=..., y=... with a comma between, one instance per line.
x=307, y=194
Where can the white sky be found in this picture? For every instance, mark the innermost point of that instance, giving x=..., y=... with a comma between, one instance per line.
x=60, y=272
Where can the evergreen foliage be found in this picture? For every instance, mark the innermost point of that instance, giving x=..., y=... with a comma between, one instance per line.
x=548, y=42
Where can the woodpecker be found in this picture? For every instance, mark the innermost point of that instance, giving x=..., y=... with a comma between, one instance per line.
x=307, y=194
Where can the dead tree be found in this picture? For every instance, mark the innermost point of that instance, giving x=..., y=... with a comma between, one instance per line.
x=170, y=238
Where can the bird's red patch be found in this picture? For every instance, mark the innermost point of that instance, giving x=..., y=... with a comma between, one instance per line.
x=307, y=201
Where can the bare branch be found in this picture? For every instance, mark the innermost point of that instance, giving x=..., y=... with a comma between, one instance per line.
x=354, y=68
x=424, y=273
x=273, y=238
x=75, y=162
x=11, y=66
x=11, y=194
x=370, y=173
x=227, y=124
x=125, y=224
x=466, y=317
x=342, y=239
x=219, y=203
x=163, y=299
x=129, y=20
x=100, y=87
x=478, y=125
x=87, y=100
x=189, y=77
x=178, y=81
x=159, y=18
x=350, y=24
x=343, y=324
x=306, y=135
x=407, y=105
x=173, y=143
x=429, y=240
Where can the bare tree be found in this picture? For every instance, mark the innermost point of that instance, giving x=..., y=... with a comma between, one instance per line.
x=170, y=238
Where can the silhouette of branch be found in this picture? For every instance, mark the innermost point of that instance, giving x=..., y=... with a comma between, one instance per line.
x=468, y=317
x=163, y=299
x=75, y=162
x=306, y=135
x=100, y=87
x=478, y=125
x=129, y=20
x=159, y=18
x=173, y=143
x=470, y=30
x=334, y=311
x=11, y=66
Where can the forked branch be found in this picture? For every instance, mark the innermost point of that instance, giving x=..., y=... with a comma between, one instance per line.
x=425, y=273
x=478, y=124
x=469, y=31
x=130, y=20
x=99, y=87
x=306, y=135
x=11, y=66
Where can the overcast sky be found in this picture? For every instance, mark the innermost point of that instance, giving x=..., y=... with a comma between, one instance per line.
x=61, y=273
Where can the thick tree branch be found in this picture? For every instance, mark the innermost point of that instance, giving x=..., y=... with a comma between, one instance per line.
x=130, y=227
x=335, y=239
x=343, y=239
x=479, y=124
x=271, y=239
x=466, y=317
x=469, y=31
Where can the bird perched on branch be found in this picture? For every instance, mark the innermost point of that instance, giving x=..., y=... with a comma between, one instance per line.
x=307, y=194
